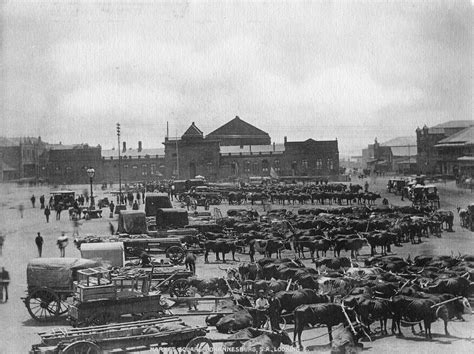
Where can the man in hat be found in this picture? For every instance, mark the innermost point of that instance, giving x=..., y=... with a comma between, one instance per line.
x=39, y=244
x=4, y=281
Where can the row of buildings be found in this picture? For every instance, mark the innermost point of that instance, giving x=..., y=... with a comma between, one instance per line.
x=235, y=151
x=446, y=149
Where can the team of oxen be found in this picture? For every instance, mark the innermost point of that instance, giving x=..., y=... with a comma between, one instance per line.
x=335, y=193
x=339, y=290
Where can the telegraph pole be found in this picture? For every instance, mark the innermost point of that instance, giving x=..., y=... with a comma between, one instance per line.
x=119, y=164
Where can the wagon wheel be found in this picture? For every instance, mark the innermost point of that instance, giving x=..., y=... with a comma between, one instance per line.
x=43, y=304
x=82, y=347
x=199, y=345
x=101, y=318
x=175, y=254
x=179, y=287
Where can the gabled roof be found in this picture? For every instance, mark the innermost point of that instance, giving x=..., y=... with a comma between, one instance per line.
x=237, y=127
x=192, y=131
x=401, y=141
x=464, y=137
x=455, y=124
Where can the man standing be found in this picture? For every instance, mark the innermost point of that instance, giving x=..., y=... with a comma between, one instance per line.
x=39, y=243
x=62, y=243
x=4, y=281
x=112, y=208
x=47, y=212
x=42, y=201
x=33, y=200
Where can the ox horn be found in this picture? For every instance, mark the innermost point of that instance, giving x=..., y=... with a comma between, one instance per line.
x=465, y=275
x=421, y=271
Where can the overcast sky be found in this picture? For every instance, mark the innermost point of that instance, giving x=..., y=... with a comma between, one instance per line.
x=323, y=70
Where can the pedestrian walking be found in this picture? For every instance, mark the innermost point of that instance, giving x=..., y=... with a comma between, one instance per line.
x=138, y=198
x=2, y=240
x=190, y=262
x=47, y=213
x=366, y=187
x=21, y=208
x=58, y=211
x=62, y=243
x=33, y=200
x=75, y=224
x=39, y=243
x=42, y=201
x=51, y=203
x=112, y=208
x=111, y=228
x=4, y=282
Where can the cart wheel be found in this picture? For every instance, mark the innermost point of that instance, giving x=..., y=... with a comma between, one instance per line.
x=82, y=347
x=43, y=304
x=199, y=345
x=101, y=318
x=175, y=254
x=179, y=287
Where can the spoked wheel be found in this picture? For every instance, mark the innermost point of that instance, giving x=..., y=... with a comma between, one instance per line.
x=175, y=254
x=43, y=304
x=179, y=287
x=82, y=347
x=63, y=306
x=199, y=345
x=101, y=318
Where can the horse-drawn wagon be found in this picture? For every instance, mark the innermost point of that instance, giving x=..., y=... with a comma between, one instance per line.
x=168, y=332
x=50, y=285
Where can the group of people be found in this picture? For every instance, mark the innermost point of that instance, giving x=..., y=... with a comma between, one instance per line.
x=61, y=242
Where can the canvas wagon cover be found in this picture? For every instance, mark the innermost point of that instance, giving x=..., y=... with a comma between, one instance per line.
x=55, y=273
x=132, y=222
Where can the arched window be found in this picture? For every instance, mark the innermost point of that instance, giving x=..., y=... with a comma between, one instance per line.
x=265, y=166
x=319, y=164
x=255, y=168
x=330, y=164
x=234, y=168
x=304, y=164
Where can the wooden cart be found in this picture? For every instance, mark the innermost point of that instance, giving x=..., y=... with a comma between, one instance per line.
x=51, y=284
x=130, y=336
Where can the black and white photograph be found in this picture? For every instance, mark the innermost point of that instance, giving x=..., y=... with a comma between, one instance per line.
x=204, y=176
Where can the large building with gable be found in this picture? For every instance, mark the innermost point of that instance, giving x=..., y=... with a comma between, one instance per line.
x=238, y=150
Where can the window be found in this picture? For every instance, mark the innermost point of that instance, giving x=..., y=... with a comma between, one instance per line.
x=264, y=166
x=234, y=168
x=134, y=167
x=255, y=167
x=68, y=170
x=330, y=164
x=319, y=164
x=152, y=169
x=304, y=164
x=125, y=166
x=247, y=166
x=144, y=169
x=276, y=165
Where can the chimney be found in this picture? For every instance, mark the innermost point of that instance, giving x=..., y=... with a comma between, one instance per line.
x=124, y=149
x=274, y=147
x=285, y=140
x=139, y=146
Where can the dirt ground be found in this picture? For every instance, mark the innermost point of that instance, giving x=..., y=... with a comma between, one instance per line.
x=18, y=331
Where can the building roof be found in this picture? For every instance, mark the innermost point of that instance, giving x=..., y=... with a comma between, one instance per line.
x=453, y=124
x=15, y=141
x=192, y=131
x=133, y=153
x=254, y=149
x=401, y=141
x=71, y=147
x=464, y=137
x=238, y=128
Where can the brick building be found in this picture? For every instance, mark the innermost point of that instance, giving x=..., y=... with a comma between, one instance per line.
x=136, y=164
x=428, y=159
x=67, y=164
x=21, y=157
x=455, y=154
x=238, y=150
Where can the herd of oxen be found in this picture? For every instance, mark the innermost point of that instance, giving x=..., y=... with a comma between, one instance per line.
x=338, y=290
x=334, y=193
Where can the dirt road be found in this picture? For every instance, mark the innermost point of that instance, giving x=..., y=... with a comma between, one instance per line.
x=18, y=330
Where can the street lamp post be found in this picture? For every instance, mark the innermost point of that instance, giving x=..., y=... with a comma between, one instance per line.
x=91, y=173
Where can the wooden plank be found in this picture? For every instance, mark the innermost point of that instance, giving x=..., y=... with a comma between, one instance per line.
x=121, y=325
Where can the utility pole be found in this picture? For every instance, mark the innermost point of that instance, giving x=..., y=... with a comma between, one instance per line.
x=177, y=156
x=119, y=163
